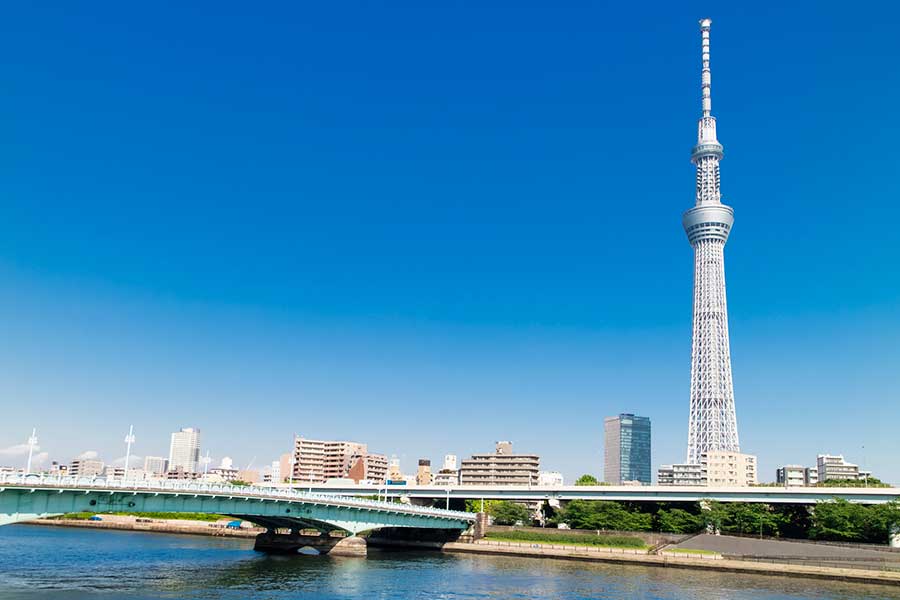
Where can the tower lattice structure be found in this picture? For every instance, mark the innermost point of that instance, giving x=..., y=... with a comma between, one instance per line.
x=713, y=422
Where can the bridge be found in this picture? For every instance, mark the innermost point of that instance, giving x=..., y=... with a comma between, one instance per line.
x=286, y=513
x=646, y=493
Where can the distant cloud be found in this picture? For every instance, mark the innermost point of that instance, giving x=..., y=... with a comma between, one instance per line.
x=18, y=453
x=133, y=461
x=16, y=450
x=88, y=454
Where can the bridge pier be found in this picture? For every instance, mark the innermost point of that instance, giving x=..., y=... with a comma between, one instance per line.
x=272, y=542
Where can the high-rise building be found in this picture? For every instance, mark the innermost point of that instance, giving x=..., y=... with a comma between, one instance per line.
x=369, y=467
x=503, y=467
x=626, y=449
x=155, y=465
x=713, y=422
x=184, y=450
x=317, y=461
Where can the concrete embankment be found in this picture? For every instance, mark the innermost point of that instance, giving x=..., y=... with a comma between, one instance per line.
x=127, y=523
x=700, y=561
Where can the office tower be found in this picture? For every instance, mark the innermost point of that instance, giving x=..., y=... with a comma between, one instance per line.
x=626, y=449
x=184, y=450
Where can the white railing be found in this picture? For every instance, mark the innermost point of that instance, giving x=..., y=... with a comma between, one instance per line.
x=222, y=489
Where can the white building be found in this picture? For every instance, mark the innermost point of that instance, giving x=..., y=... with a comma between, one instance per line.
x=680, y=474
x=446, y=477
x=275, y=472
x=184, y=450
x=722, y=468
x=156, y=465
x=550, y=478
x=833, y=466
x=450, y=463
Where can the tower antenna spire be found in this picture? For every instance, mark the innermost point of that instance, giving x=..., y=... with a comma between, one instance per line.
x=713, y=422
x=706, y=77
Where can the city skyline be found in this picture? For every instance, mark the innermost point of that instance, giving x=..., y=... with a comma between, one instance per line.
x=254, y=249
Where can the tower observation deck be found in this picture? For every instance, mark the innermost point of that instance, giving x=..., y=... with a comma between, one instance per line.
x=713, y=422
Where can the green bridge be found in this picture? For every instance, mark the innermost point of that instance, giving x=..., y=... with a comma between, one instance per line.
x=286, y=514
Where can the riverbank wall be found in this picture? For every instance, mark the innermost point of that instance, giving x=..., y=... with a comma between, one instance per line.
x=128, y=523
x=700, y=561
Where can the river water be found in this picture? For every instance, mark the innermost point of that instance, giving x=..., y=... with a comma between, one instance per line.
x=64, y=563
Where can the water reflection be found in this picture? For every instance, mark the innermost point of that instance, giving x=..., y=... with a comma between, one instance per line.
x=38, y=562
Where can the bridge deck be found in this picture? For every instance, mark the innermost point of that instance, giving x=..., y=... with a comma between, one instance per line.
x=30, y=497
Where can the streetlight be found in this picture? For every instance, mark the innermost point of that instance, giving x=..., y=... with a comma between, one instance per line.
x=865, y=472
x=32, y=442
x=129, y=440
x=206, y=460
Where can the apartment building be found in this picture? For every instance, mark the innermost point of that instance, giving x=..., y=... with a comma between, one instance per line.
x=502, y=467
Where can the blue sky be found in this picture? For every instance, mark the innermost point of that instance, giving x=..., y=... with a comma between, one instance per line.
x=432, y=227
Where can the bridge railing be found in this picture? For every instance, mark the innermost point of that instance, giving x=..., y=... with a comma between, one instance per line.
x=197, y=487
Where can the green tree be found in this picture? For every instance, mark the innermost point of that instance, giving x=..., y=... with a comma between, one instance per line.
x=743, y=517
x=869, y=482
x=599, y=514
x=587, y=479
x=795, y=520
x=677, y=520
x=475, y=506
x=752, y=518
x=841, y=520
x=510, y=513
x=838, y=520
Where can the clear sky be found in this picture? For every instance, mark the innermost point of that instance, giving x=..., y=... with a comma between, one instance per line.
x=432, y=227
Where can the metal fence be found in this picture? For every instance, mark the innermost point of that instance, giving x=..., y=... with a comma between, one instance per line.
x=223, y=489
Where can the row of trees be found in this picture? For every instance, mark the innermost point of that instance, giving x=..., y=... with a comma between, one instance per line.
x=588, y=479
x=836, y=520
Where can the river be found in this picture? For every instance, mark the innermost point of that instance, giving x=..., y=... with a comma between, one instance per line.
x=63, y=563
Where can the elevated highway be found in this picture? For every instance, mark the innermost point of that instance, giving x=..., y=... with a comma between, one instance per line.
x=769, y=495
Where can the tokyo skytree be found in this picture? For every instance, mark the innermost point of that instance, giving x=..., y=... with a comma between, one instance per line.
x=713, y=423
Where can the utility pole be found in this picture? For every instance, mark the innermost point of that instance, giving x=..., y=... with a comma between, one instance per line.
x=129, y=440
x=32, y=442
